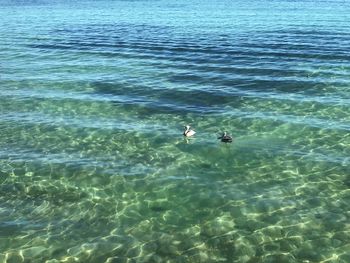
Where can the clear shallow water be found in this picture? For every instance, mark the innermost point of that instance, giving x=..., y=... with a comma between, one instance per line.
x=93, y=98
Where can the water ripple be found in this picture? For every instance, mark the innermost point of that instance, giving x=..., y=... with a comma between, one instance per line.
x=93, y=99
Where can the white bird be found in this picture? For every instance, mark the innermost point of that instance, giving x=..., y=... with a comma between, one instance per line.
x=188, y=132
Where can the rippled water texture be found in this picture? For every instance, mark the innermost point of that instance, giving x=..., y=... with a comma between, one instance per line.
x=93, y=99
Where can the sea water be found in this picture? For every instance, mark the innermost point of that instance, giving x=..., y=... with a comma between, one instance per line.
x=94, y=96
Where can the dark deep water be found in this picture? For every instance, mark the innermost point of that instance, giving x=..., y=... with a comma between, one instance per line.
x=93, y=98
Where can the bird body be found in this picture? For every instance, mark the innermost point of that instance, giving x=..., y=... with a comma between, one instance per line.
x=225, y=138
x=188, y=132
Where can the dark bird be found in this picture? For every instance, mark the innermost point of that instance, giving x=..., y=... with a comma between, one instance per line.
x=225, y=137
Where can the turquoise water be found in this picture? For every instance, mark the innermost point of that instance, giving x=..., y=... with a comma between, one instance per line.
x=93, y=99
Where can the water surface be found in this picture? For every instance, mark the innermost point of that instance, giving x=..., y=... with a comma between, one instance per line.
x=93, y=99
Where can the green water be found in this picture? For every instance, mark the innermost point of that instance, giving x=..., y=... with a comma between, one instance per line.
x=93, y=100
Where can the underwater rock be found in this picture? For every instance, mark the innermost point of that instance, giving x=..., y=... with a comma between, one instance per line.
x=14, y=257
x=32, y=252
x=218, y=226
x=280, y=258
